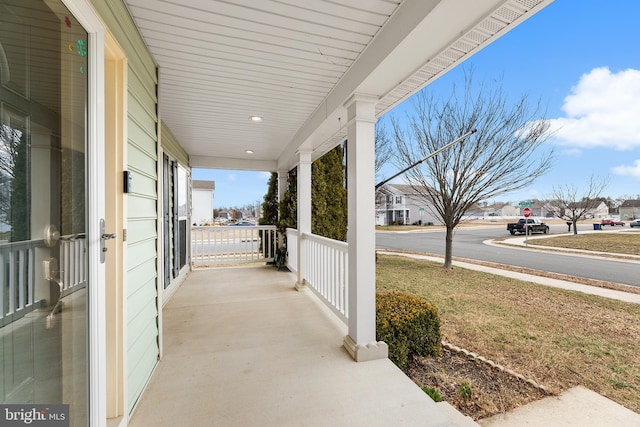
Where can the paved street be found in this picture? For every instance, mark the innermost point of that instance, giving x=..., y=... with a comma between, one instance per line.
x=468, y=243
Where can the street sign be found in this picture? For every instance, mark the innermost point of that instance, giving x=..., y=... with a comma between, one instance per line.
x=523, y=204
x=527, y=212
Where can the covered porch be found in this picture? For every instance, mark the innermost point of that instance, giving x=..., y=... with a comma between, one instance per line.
x=243, y=347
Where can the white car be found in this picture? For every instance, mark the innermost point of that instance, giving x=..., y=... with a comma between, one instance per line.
x=635, y=223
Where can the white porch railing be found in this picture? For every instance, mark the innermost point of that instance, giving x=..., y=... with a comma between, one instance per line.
x=18, y=269
x=212, y=246
x=73, y=263
x=326, y=269
x=292, y=249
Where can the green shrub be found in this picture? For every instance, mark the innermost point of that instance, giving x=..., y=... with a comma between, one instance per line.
x=433, y=393
x=408, y=324
x=465, y=390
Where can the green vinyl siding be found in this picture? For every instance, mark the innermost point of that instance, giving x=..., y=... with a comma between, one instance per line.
x=136, y=276
x=137, y=304
x=141, y=229
x=144, y=185
x=144, y=165
x=142, y=201
x=145, y=119
x=139, y=207
x=142, y=204
x=142, y=93
x=139, y=253
x=138, y=137
x=172, y=147
x=144, y=356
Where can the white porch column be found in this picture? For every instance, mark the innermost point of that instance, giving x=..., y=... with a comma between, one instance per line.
x=361, y=341
x=283, y=176
x=304, y=211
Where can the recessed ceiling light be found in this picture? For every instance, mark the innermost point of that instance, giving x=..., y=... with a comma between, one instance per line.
x=248, y=151
x=255, y=118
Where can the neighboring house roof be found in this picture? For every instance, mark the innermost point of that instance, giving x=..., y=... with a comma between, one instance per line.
x=203, y=185
x=399, y=189
x=583, y=205
x=631, y=204
x=579, y=205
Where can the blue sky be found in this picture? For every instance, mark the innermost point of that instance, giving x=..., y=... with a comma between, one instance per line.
x=580, y=57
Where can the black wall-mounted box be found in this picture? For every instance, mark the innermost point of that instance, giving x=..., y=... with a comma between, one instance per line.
x=127, y=181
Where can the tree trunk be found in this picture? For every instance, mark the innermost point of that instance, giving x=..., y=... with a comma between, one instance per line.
x=448, y=252
x=575, y=227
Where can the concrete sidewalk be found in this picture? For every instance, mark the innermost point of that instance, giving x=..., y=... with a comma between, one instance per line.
x=576, y=407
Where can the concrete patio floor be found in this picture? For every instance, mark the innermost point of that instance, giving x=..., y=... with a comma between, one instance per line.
x=242, y=347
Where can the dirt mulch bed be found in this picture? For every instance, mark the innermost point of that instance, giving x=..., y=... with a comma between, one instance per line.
x=489, y=392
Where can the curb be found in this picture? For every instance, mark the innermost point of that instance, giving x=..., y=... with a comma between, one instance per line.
x=491, y=363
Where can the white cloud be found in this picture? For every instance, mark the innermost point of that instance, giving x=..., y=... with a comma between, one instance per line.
x=626, y=170
x=603, y=110
x=572, y=152
x=231, y=177
x=265, y=176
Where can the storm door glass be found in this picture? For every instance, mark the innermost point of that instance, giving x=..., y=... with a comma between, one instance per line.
x=43, y=241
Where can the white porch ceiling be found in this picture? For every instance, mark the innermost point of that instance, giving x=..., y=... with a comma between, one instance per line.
x=295, y=62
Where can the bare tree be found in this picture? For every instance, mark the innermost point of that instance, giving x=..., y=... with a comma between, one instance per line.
x=500, y=157
x=383, y=154
x=569, y=203
x=383, y=147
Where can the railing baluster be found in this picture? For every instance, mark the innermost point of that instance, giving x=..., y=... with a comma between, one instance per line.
x=31, y=271
x=12, y=282
x=2, y=281
x=22, y=287
x=76, y=265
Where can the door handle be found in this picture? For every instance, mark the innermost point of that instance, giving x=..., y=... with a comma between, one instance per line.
x=104, y=236
x=51, y=235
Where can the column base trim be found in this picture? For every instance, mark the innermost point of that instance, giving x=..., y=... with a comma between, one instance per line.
x=365, y=352
x=301, y=286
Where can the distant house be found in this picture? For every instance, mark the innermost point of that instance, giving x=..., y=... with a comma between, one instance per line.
x=502, y=210
x=223, y=217
x=630, y=209
x=601, y=210
x=402, y=204
x=202, y=201
x=509, y=210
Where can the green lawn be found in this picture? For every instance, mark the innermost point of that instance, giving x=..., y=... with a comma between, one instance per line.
x=621, y=243
x=559, y=338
